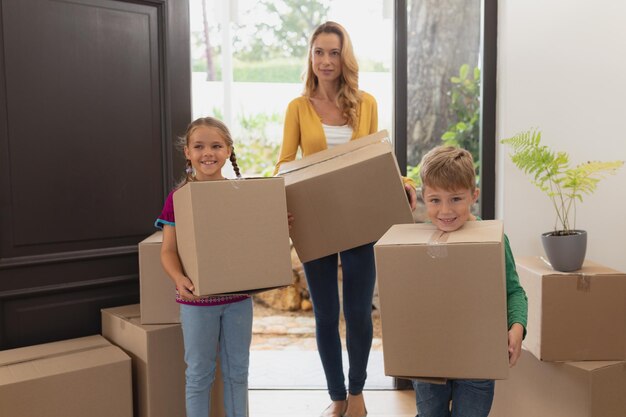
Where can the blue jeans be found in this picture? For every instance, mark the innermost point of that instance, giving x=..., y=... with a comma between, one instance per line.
x=204, y=327
x=359, y=277
x=470, y=398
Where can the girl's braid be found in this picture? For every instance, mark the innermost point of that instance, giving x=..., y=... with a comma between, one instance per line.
x=188, y=172
x=233, y=160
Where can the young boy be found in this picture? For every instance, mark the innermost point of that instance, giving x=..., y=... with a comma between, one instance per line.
x=449, y=191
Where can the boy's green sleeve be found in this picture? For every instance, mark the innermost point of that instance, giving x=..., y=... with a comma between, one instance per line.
x=516, y=300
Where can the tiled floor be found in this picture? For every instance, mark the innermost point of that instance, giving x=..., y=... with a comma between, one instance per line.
x=286, y=376
x=284, y=355
x=301, y=403
x=302, y=369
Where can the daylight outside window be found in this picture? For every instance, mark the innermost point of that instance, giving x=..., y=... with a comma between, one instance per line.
x=248, y=57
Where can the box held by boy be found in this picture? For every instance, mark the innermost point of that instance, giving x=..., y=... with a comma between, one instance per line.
x=574, y=316
x=345, y=196
x=443, y=301
x=561, y=389
x=233, y=235
x=158, y=363
x=157, y=292
x=80, y=377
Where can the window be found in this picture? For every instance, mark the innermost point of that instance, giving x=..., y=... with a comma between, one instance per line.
x=445, y=84
x=248, y=58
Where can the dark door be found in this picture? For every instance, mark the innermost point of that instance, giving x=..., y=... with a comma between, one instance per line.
x=92, y=95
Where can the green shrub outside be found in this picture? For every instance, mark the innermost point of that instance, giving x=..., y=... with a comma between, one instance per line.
x=274, y=71
x=256, y=153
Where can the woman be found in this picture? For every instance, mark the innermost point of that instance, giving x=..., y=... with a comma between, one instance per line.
x=332, y=110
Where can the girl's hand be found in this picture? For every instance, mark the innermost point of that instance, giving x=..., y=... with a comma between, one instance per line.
x=411, y=194
x=289, y=219
x=516, y=333
x=185, y=288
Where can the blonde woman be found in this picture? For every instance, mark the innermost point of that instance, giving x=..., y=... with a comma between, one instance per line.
x=331, y=111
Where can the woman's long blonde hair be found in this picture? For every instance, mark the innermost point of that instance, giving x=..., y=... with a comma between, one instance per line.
x=349, y=95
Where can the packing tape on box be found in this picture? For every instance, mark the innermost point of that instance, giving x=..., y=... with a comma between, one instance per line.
x=233, y=182
x=583, y=283
x=437, y=247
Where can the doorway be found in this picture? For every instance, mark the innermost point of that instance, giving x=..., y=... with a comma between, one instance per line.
x=247, y=62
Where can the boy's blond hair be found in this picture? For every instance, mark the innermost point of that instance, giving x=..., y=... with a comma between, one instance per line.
x=448, y=168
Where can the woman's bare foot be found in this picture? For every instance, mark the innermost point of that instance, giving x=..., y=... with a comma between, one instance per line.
x=335, y=409
x=356, y=406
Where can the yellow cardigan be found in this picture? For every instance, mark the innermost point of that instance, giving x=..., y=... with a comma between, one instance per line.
x=303, y=127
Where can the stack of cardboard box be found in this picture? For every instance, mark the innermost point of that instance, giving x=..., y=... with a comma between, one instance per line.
x=158, y=365
x=572, y=363
x=232, y=237
x=243, y=235
x=208, y=228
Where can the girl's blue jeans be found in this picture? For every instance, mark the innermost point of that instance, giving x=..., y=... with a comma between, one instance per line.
x=470, y=398
x=359, y=277
x=204, y=328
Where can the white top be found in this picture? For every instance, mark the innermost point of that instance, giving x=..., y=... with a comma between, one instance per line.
x=336, y=135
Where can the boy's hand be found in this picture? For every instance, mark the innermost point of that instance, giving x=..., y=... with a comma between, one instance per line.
x=185, y=289
x=411, y=194
x=516, y=333
x=289, y=219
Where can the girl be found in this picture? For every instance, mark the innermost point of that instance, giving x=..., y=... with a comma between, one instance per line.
x=332, y=110
x=208, y=321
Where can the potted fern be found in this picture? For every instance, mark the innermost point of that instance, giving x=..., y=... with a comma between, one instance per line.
x=565, y=246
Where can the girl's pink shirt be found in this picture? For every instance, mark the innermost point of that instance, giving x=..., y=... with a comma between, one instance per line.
x=167, y=218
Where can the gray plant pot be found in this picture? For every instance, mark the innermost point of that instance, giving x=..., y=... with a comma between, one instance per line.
x=565, y=253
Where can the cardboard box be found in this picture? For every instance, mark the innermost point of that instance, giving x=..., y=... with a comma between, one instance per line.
x=344, y=197
x=233, y=235
x=157, y=354
x=566, y=389
x=574, y=315
x=443, y=301
x=156, y=289
x=72, y=378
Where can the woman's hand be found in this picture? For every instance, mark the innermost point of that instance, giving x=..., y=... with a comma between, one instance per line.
x=289, y=219
x=411, y=194
x=516, y=333
x=185, y=288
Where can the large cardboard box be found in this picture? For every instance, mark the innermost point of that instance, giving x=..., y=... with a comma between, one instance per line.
x=345, y=196
x=562, y=389
x=156, y=290
x=443, y=301
x=233, y=235
x=72, y=378
x=157, y=354
x=576, y=315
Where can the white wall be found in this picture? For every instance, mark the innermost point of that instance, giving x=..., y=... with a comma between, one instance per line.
x=562, y=68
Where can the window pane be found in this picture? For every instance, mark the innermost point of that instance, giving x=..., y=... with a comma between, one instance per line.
x=253, y=65
x=444, y=77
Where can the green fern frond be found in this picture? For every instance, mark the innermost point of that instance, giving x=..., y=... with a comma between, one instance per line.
x=551, y=173
x=584, y=178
